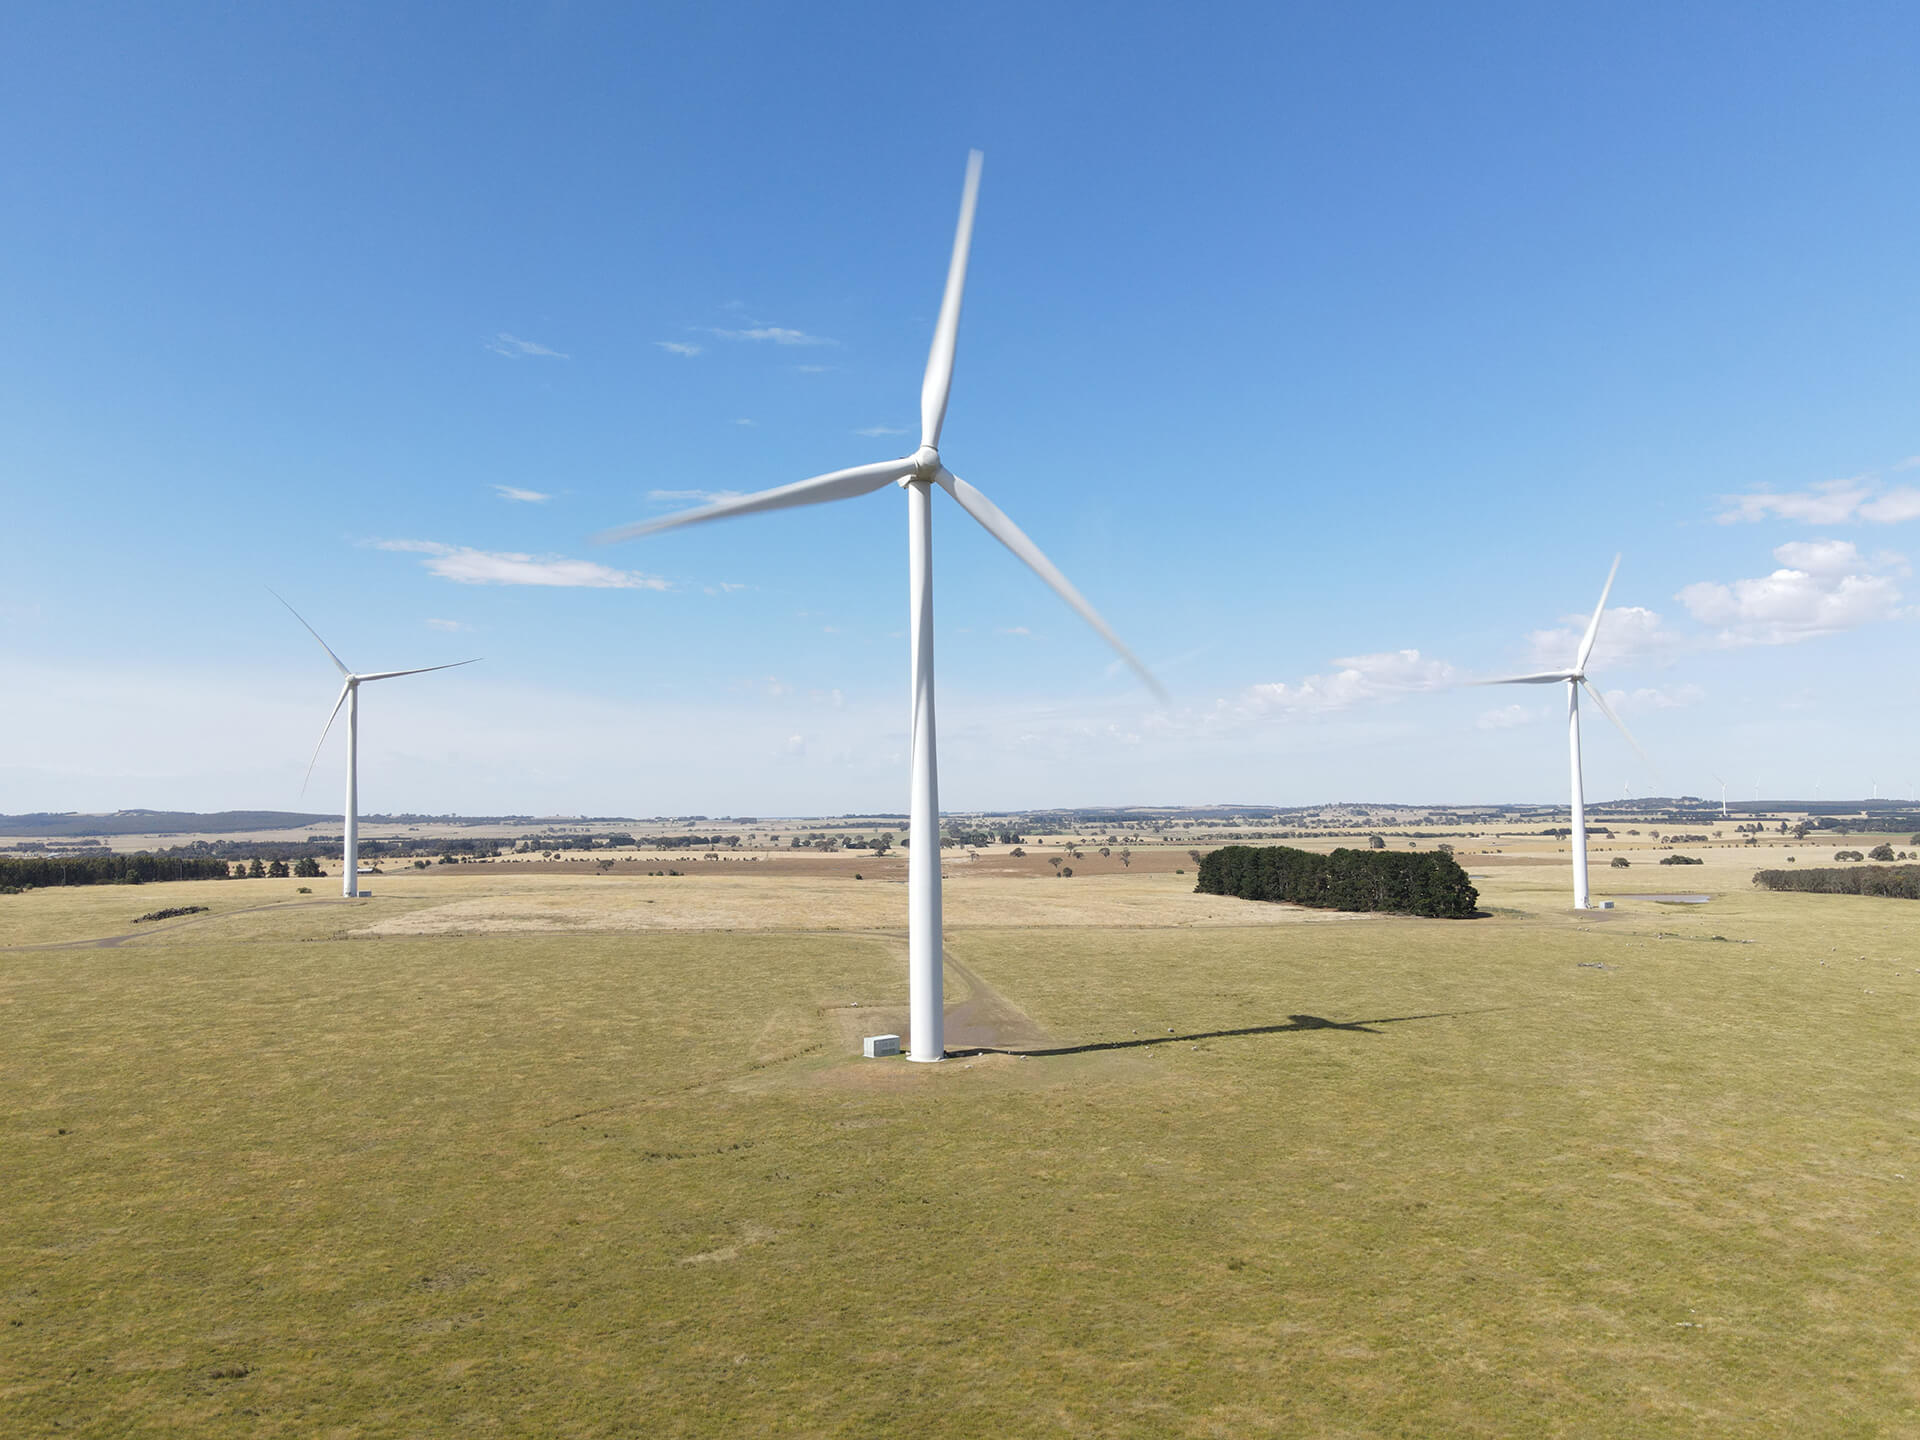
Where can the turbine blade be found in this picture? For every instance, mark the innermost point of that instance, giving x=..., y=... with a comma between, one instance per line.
x=424, y=669
x=338, y=663
x=1618, y=723
x=1593, y=625
x=1550, y=677
x=325, y=731
x=994, y=521
x=946, y=334
x=840, y=485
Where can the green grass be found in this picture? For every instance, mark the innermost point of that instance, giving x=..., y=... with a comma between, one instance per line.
x=632, y=1185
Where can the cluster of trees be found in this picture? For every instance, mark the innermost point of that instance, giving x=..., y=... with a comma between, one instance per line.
x=1423, y=883
x=304, y=868
x=1900, y=882
x=1681, y=860
x=34, y=872
x=991, y=835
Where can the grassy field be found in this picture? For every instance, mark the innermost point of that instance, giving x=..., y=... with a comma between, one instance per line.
x=558, y=1155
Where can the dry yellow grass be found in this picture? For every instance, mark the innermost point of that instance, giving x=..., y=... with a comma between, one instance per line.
x=270, y=1174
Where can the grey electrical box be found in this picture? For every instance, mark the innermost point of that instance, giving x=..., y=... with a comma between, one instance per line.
x=878, y=1046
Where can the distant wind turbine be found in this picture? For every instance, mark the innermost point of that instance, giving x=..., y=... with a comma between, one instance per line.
x=918, y=474
x=1575, y=680
x=1723, y=795
x=350, y=697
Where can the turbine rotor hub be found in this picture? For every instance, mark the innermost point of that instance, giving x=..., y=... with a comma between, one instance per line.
x=926, y=464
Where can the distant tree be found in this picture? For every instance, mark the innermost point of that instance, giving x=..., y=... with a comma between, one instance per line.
x=308, y=868
x=1067, y=874
x=1104, y=852
x=1444, y=848
x=1620, y=862
x=1126, y=857
x=1375, y=842
x=1018, y=853
x=1054, y=860
x=1194, y=855
x=256, y=871
x=277, y=870
x=883, y=843
x=605, y=865
x=1882, y=851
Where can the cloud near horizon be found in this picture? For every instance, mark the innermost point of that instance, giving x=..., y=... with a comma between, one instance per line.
x=1385, y=676
x=676, y=347
x=467, y=566
x=524, y=497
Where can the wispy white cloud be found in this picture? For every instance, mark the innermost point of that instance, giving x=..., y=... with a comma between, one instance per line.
x=1861, y=498
x=1013, y=630
x=513, y=347
x=1821, y=588
x=1358, y=678
x=772, y=335
x=702, y=497
x=678, y=347
x=1656, y=697
x=878, y=430
x=467, y=566
x=1627, y=633
x=750, y=424
x=448, y=625
x=525, y=497
x=1508, y=716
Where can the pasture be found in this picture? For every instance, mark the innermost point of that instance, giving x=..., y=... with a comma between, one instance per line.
x=505, y=1152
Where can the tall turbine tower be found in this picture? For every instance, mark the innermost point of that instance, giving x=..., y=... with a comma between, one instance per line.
x=1575, y=680
x=1723, y=795
x=350, y=697
x=918, y=474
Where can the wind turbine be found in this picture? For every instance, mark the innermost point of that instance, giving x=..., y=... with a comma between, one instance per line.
x=918, y=474
x=1723, y=795
x=350, y=697
x=1575, y=680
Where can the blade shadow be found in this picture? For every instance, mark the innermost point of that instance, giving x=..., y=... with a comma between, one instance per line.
x=1294, y=1025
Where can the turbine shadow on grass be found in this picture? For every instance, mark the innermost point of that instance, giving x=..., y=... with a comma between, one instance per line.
x=1295, y=1023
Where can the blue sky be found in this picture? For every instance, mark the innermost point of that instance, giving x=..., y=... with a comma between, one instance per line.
x=1300, y=339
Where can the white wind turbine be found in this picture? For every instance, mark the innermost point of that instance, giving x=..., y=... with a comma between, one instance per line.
x=1723, y=796
x=1575, y=680
x=350, y=697
x=918, y=474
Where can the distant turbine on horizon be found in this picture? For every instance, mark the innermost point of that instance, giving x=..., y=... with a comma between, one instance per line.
x=918, y=474
x=350, y=697
x=1575, y=680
